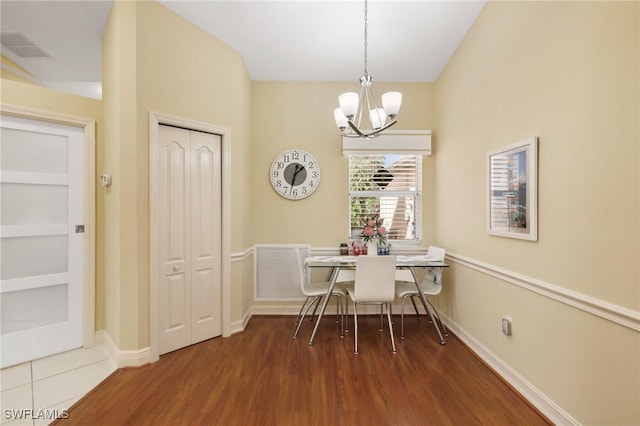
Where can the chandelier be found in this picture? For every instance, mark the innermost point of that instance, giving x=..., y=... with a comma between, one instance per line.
x=349, y=117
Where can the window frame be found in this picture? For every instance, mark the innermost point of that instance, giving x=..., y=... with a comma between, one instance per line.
x=417, y=195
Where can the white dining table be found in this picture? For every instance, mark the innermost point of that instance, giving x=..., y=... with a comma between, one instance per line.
x=409, y=262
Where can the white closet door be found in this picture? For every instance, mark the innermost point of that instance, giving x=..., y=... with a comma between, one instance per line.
x=206, y=315
x=189, y=227
x=41, y=254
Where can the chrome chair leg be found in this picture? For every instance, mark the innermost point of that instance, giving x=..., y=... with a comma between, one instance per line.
x=302, y=315
x=429, y=317
x=339, y=314
x=355, y=332
x=437, y=316
x=301, y=309
x=393, y=343
x=404, y=298
x=413, y=302
x=318, y=300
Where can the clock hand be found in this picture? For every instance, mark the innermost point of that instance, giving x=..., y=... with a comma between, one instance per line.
x=295, y=173
x=293, y=179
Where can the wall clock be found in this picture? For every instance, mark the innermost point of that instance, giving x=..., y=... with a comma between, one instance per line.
x=295, y=174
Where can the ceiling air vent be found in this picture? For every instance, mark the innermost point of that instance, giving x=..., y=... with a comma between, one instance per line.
x=21, y=46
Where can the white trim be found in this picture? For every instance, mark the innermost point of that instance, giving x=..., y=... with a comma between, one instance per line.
x=609, y=311
x=549, y=408
x=123, y=358
x=89, y=176
x=38, y=178
x=155, y=120
x=242, y=256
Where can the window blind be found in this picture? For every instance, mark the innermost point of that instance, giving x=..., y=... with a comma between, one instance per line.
x=387, y=186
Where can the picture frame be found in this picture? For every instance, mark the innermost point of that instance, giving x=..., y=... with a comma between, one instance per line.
x=512, y=190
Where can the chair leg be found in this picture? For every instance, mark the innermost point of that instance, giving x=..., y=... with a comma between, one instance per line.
x=437, y=316
x=429, y=317
x=404, y=298
x=381, y=327
x=355, y=332
x=346, y=315
x=340, y=314
x=413, y=302
x=393, y=343
x=301, y=315
x=313, y=314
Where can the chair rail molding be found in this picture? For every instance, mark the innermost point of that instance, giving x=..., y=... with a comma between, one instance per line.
x=618, y=314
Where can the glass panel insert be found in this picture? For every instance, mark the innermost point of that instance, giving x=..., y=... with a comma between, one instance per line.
x=26, y=204
x=24, y=151
x=26, y=309
x=29, y=256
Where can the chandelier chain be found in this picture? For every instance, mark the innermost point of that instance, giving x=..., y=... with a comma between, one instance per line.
x=366, y=73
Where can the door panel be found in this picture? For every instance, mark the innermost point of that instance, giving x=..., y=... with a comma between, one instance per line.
x=41, y=255
x=205, y=253
x=175, y=295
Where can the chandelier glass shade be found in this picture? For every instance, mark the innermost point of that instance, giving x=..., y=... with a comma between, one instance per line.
x=358, y=110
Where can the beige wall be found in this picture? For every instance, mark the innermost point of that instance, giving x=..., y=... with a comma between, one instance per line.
x=566, y=72
x=47, y=100
x=300, y=115
x=193, y=76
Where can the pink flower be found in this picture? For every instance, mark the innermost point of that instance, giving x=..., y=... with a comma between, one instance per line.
x=368, y=231
x=371, y=223
x=381, y=230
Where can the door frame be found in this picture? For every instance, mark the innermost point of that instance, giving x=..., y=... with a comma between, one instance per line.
x=155, y=120
x=89, y=176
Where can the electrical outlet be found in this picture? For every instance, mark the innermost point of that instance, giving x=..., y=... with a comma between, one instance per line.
x=506, y=325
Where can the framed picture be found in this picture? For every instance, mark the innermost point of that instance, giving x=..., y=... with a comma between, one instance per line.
x=512, y=205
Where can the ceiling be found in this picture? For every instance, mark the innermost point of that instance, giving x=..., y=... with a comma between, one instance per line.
x=294, y=40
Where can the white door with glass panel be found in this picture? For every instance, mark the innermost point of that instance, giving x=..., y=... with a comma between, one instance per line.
x=41, y=239
x=189, y=235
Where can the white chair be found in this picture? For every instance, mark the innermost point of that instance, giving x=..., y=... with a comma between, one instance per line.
x=315, y=292
x=431, y=286
x=374, y=284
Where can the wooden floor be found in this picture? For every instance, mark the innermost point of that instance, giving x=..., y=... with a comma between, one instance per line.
x=263, y=376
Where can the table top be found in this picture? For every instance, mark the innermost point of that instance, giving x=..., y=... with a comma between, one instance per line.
x=408, y=261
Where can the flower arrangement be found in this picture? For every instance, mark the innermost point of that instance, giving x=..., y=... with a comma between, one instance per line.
x=373, y=230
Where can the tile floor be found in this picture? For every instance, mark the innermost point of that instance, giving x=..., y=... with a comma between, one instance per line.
x=33, y=392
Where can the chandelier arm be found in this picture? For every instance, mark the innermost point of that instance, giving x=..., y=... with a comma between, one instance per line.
x=381, y=129
x=360, y=134
x=355, y=129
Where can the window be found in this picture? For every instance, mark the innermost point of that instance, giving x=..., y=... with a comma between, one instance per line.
x=388, y=186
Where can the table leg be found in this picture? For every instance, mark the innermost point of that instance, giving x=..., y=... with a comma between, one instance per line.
x=426, y=305
x=324, y=306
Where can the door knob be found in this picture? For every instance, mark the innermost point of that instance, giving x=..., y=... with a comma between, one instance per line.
x=175, y=268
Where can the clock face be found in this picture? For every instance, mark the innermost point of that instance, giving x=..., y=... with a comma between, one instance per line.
x=295, y=174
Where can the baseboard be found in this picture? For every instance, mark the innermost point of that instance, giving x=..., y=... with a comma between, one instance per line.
x=123, y=358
